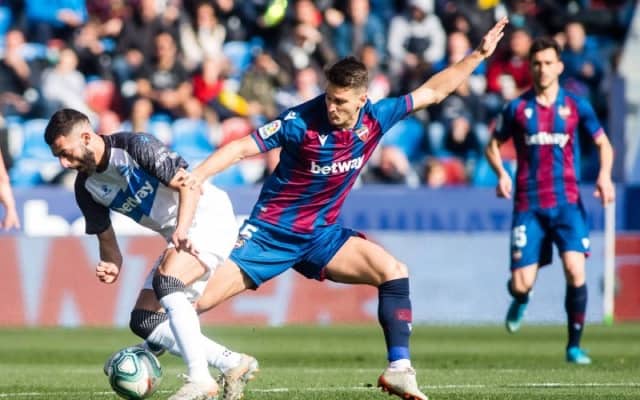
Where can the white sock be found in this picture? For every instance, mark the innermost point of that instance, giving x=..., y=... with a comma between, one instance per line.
x=217, y=355
x=185, y=326
x=402, y=363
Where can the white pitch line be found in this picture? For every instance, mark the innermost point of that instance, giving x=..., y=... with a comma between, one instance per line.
x=359, y=388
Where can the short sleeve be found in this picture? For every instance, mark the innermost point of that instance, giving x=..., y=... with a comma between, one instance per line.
x=279, y=131
x=154, y=157
x=588, y=119
x=96, y=216
x=390, y=110
x=504, y=123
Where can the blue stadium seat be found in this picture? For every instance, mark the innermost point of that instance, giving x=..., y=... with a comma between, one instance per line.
x=5, y=19
x=409, y=136
x=191, y=139
x=484, y=176
x=34, y=164
x=240, y=55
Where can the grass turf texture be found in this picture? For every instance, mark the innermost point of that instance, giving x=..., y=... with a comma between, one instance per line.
x=326, y=363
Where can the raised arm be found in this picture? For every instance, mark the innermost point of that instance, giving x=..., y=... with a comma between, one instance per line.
x=443, y=83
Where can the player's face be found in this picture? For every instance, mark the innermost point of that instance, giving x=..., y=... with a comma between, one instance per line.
x=343, y=105
x=73, y=153
x=546, y=68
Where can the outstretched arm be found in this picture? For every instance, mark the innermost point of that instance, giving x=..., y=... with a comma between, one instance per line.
x=443, y=83
x=221, y=160
x=604, y=185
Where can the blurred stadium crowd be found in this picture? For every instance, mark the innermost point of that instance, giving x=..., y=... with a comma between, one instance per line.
x=198, y=74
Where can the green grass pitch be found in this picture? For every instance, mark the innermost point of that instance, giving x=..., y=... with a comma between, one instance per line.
x=343, y=362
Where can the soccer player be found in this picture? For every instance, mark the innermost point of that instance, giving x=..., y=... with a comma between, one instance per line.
x=136, y=175
x=324, y=144
x=544, y=124
x=10, y=219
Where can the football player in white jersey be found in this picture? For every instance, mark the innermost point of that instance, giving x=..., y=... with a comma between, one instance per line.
x=136, y=175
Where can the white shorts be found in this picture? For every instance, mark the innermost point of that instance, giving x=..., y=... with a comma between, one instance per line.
x=213, y=232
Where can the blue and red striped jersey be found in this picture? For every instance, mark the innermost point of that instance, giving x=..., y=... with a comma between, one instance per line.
x=318, y=163
x=547, y=146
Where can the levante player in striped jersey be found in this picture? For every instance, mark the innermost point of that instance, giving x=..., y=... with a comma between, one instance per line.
x=544, y=124
x=324, y=144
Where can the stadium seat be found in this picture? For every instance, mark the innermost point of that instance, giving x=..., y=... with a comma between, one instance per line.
x=191, y=139
x=408, y=135
x=35, y=164
x=240, y=55
x=484, y=176
x=5, y=19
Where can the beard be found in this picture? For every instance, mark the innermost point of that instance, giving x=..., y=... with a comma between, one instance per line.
x=88, y=164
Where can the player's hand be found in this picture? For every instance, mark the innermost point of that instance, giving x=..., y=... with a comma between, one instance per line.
x=10, y=220
x=490, y=40
x=504, y=186
x=191, y=180
x=107, y=272
x=181, y=241
x=605, y=190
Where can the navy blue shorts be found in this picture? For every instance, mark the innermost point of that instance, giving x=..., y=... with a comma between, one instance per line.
x=533, y=232
x=264, y=251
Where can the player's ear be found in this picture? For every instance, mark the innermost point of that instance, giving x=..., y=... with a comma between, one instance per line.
x=560, y=67
x=85, y=137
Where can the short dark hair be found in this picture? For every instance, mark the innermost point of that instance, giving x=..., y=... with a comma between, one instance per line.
x=62, y=123
x=543, y=43
x=348, y=72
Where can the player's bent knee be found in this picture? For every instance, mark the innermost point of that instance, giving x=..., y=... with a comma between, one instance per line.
x=396, y=270
x=164, y=285
x=143, y=322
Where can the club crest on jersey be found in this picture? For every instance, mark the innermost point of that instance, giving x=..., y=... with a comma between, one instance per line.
x=269, y=129
x=362, y=133
x=564, y=112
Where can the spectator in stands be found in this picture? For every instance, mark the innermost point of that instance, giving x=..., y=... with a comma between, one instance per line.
x=259, y=86
x=444, y=171
x=458, y=46
x=18, y=94
x=10, y=219
x=94, y=58
x=136, y=42
x=358, y=28
x=231, y=14
x=523, y=14
x=166, y=83
x=64, y=86
x=48, y=19
x=306, y=85
x=583, y=65
x=305, y=47
x=472, y=17
x=379, y=83
x=416, y=41
x=508, y=72
x=201, y=37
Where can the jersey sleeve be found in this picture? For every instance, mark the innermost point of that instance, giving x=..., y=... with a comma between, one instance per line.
x=504, y=122
x=96, y=216
x=279, y=131
x=390, y=110
x=154, y=157
x=588, y=119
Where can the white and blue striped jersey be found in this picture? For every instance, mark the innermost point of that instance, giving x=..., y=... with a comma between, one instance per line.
x=131, y=179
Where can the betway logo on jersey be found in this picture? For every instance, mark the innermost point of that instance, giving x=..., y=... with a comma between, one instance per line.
x=542, y=138
x=134, y=201
x=337, y=167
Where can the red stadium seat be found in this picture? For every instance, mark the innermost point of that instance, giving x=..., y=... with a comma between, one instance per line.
x=99, y=95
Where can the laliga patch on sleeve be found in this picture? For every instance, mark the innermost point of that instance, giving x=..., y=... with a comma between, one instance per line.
x=269, y=129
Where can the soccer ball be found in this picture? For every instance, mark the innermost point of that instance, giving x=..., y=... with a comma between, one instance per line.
x=134, y=373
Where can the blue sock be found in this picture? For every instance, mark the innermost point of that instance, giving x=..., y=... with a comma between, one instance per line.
x=394, y=314
x=575, y=303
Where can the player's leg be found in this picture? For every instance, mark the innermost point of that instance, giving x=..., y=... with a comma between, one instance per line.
x=519, y=287
x=575, y=304
x=176, y=271
x=151, y=323
x=363, y=262
x=572, y=238
x=527, y=242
